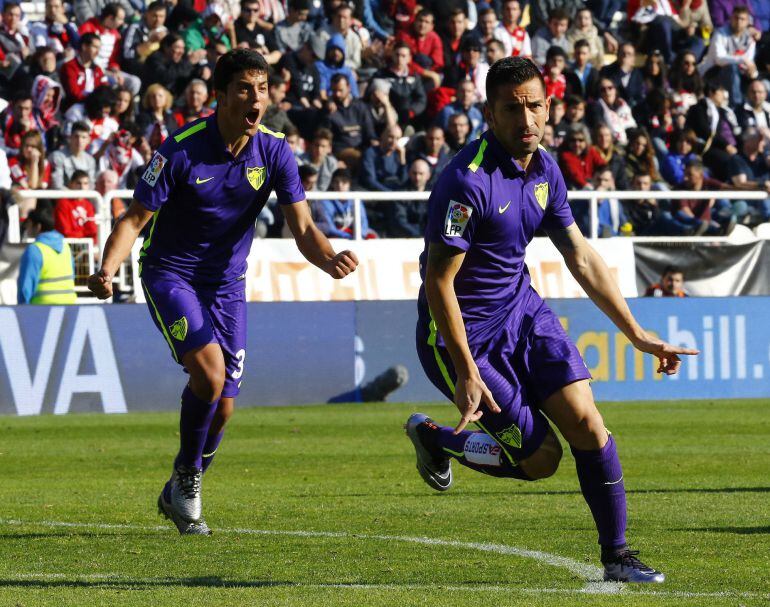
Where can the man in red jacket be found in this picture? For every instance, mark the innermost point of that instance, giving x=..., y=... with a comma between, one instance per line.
x=578, y=160
x=74, y=217
x=80, y=76
x=427, y=48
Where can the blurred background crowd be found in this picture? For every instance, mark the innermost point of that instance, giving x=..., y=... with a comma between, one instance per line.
x=379, y=95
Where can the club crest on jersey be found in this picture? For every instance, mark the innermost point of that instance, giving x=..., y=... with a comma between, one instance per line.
x=256, y=176
x=179, y=329
x=511, y=436
x=155, y=166
x=457, y=218
x=541, y=194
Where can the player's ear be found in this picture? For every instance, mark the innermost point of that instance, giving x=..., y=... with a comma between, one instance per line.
x=488, y=115
x=547, y=105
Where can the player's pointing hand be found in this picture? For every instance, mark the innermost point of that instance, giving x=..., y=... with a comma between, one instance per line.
x=667, y=354
x=469, y=394
x=100, y=284
x=342, y=264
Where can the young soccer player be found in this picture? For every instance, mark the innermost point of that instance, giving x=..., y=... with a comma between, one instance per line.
x=203, y=190
x=488, y=341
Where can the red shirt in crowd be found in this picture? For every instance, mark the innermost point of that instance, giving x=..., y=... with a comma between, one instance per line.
x=109, y=53
x=700, y=208
x=578, y=170
x=19, y=174
x=78, y=82
x=556, y=87
x=74, y=218
x=430, y=46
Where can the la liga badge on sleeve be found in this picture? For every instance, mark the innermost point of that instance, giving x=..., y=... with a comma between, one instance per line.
x=457, y=218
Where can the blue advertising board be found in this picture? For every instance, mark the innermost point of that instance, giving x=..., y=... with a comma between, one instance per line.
x=111, y=358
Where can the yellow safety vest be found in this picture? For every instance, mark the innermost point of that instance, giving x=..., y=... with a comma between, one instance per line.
x=57, y=283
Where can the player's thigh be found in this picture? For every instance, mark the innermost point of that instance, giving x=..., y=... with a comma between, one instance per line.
x=228, y=316
x=573, y=410
x=177, y=311
x=545, y=461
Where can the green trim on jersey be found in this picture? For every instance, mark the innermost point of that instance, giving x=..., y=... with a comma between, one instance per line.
x=147, y=242
x=191, y=131
x=267, y=131
x=479, y=157
x=160, y=322
x=455, y=453
x=439, y=361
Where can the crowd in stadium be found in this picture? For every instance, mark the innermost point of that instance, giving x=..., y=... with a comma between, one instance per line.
x=380, y=94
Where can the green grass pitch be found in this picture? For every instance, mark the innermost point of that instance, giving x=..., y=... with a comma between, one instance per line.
x=336, y=486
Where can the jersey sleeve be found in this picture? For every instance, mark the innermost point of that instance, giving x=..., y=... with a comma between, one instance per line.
x=558, y=214
x=288, y=186
x=161, y=175
x=455, y=209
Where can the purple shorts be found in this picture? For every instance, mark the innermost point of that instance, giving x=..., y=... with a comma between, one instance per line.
x=190, y=317
x=521, y=368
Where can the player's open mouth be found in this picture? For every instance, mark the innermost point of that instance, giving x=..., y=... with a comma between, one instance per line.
x=252, y=117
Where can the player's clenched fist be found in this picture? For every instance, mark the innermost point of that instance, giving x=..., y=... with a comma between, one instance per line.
x=100, y=284
x=341, y=264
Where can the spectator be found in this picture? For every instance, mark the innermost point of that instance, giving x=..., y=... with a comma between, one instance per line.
x=485, y=28
x=383, y=168
x=755, y=111
x=74, y=217
x=41, y=63
x=714, y=124
x=124, y=110
x=685, y=81
x=168, y=66
x=205, y=30
x=750, y=169
x=383, y=112
x=120, y=156
x=30, y=170
x=320, y=158
x=583, y=77
x=74, y=157
x=731, y=52
x=107, y=26
x=294, y=31
x=458, y=132
x=612, y=110
x=549, y=142
x=96, y=113
x=654, y=72
x=578, y=160
x=252, y=29
x=46, y=270
x=713, y=216
x=81, y=75
x=432, y=148
x=87, y=9
x=610, y=212
x=627, y=78
x=456, y=31
x=14, y=43
x=723, y=10
x=341, y=24
x=304, y=90
x=682, y=152
x=554, y=34
x=196, y=94
x=653, y=25
x=583, y=28
x=143, y=37
x=426, y=46
x=640, y=157
x=333, y=64
x=555, y=82
x=611, y=154
x=156, y=120
x=55, y=31
x=540, y=11
x=275, y=117
x=671, y=284
x=495, y=51
x=647, y=215
x=350, y=122
x=46, y=99
x=471, y=67
x=407, y=218
x=465, y=103
x=406, y=92
x=17, y=121
x=336, y=218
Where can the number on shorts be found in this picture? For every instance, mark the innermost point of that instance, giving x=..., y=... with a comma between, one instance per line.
x=240, y=355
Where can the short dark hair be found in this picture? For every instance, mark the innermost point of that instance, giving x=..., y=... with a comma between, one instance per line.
x=300, y=5
x=42, y=215
x=511, y=70
x=558, y=13
x=111, y=10
x=78, y=174
x=742, y=9
x=20, y=96
x=573, y=100
x=555, y=51
x=496, y=42
x=672, y=269
x=9, y=5
x=342, y=174
x=695, y=163
x=80, y=127
x=157, y=5
x=307, y=170
x=338, y=77
x=323, y=133
x=580, y=44
x=88, y=38
x=234, y=62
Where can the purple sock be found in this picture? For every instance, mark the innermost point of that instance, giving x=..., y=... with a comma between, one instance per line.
x=210, y=449
x=478, y=451
x=601, y=481
x=194, y=423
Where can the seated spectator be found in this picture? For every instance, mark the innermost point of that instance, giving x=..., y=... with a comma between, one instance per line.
x=319, y=157
x=74, y=217
x=640, y=158
x=574, y=115
x=252, y=29
x=578, y=160
x=336, y=218
x=17, y=120
x=714, y=124
x=465, y=103
x=333, y=64
x=471, y=67
x=14, y=41
x=610, y=212
x=685, y=81
x=295, y=143
x=750, y=169
x=96, y=112
x=696, y=25
x=407, y=218
x=657, y=114
x=55, y=31
x=755, y=111
x=168, y=66
x=554, y=34
x=304, y=91
x=731, y=53
x=612, y=110
x=81, y=75
x=494, y=52
x=654, y=25
x=583, y=28
x=341, y=24
x=74, y=157
x=30, y=170
x=455, y=32
x=611, y=154
x=406, y=92
x=582, y=77
x=41, y=63
x=553, y=73
x=627, y=78
x=378, y=98
x=120, y=156
x=458, y=132
x=655, y=73
x=143, y=37
x=275, y=117
x=426, y=46
x=432, y=148
x=485, y=28
x=46, y=99
x=124, y=110
x=549, y=142
x=205, y=30
x=294, y=31
x=648, y=216
x=156, y=120
x=196, y=94
x=671, y=284
x=681, y=153
x=713, y=216
x=540, y=12
x=383, y=167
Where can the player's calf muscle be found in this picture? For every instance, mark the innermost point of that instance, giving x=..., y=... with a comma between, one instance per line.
x=545, y=461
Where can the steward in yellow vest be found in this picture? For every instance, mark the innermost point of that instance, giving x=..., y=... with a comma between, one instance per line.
x=46, y=273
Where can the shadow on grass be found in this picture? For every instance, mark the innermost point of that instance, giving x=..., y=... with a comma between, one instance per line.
x=736, y=530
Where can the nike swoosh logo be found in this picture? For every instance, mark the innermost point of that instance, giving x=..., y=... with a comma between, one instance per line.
x=199, y=181
x=502, y=210
x=615, y=482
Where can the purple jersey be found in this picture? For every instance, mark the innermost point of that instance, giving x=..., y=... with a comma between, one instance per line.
x=487, y=206
x=206, y=201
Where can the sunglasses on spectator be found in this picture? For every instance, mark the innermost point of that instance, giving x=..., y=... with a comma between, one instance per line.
x=576, y=139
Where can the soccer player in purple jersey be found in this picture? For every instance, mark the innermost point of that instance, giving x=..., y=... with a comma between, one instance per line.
x=488, y=341
x=203, y=190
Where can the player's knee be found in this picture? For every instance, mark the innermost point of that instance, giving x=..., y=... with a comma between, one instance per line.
x=207, y=382
x=545, y=461
x=588, y=432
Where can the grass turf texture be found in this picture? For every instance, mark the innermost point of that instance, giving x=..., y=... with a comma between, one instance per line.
x=696, y=472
